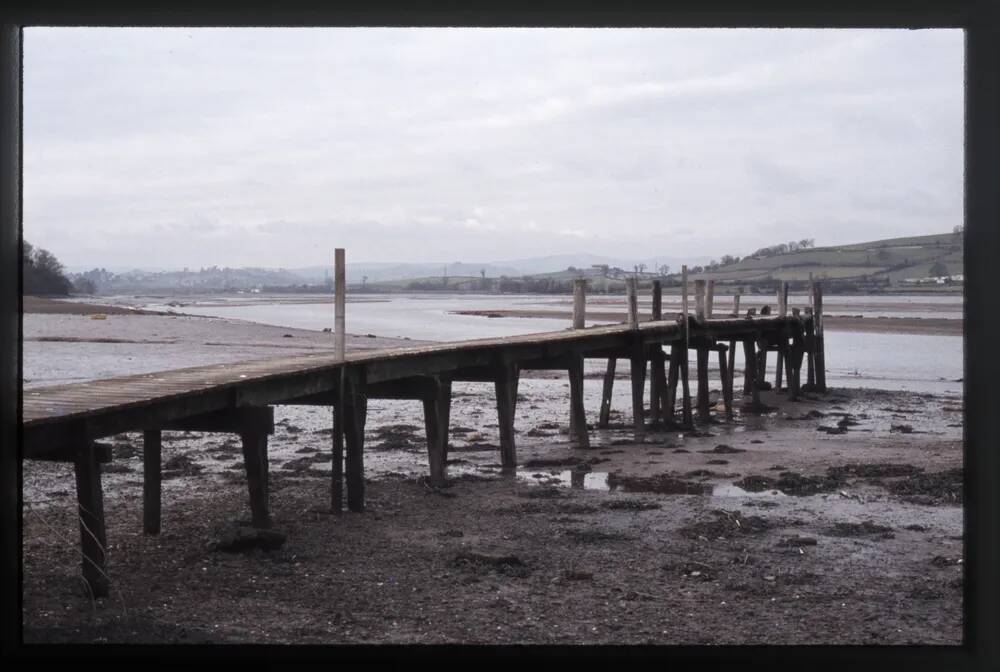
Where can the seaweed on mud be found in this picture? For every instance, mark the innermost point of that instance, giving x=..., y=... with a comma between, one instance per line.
x=727, y=524
x=862, y=529
x=592, y=536
x=874, y=470
x=181, y=465
x=542, y=493
x=791, y=483
x=630, y=504
x=507, y=565
x=723, y=449
x=661, y=484
x=934, y=488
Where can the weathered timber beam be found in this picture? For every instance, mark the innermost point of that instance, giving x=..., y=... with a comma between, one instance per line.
x=235, y=420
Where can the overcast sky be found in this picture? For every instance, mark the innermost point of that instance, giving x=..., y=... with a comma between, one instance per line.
x=270, y=147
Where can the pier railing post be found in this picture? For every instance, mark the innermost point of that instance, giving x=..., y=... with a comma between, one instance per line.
x=686, y=419
x=709, y=297
x=638, y=359
x=339, y=301
x=579, y=302
x=657, y=371
x=701, y=352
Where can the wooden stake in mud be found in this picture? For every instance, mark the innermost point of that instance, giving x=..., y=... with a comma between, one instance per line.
x=609, y=383
x=435, y=423
x=732, y=343
x=255, y=461
x=657, y=360
x=782, y=347
x=339, y=301
x=817, y=292
x=151, y=481
x=686, y=418
x=578, y=416
x=576, y=406
x=632, y=288
x=90, y=499
x=506, y=391
x=355, y=410
x=727, y=385
x=638, y=359
x=810, y=347
x=750, y=354
x=579, y=302
x=701, y=352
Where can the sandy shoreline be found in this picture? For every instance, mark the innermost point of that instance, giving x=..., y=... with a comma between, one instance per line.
x=862, y=544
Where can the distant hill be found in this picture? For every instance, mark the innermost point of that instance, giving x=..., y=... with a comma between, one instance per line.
x=889, y=263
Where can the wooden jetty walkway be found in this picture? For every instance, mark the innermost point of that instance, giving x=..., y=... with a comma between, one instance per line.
x=65, y=422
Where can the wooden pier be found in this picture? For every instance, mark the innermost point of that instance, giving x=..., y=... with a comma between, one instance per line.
x=65, y=422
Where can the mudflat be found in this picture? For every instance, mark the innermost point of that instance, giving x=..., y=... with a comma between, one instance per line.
x=835, y=519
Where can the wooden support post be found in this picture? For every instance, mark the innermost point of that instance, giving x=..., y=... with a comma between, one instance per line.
x=780, y=356
x=817, y=292
x=670, y=397
x=709, y=298
x=727, y=385
x=684, y=304
x=699, y=299
x=90, y=500
x=609, y=383
x=702, y=371
x=686, y=418
x=632, y=287
x=736, y=302
x=506, y=391
x=782, y=349
x=578, y=415
x=355, y=405
x=339, y=301
x=435, y=419
x=657, y=360
x=810, y=347
x=446, y=422
x=337, y=464
x=750, y=354
x=151, y=497
x=732, y=343
x=638, y=375
x=255, y=461
x=579, y=302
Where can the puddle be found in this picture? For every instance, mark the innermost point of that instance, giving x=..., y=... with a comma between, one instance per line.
x=590, y=480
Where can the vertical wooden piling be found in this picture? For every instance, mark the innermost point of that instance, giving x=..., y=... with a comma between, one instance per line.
x=151, y=476
x=339, y=301
x=579, y=302
x=632, y=289
x=669, y=397
x=727, y=385
x=609, y=383
x=732, y=343
x=90, y=500
x=578, y=416
x=781, y=354
x=637, y=371
x=750, y=354
x=657, y=360
x=435, y=423
x=355, y=404
x=709, y=298
x=255, y=461
x=637, y=360
x=810, y=348
x=682, y=365
x=817, y=291
x=337, y=463
x=701, y=352
x=699, y=299
x=506, y=393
